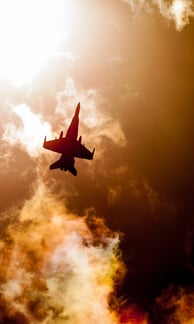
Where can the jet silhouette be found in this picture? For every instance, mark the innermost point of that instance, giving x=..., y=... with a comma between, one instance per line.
x=69, y=147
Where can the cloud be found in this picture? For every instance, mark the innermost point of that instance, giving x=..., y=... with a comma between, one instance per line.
x=175, y=305
x=179, y=11
x=94, y=117
x=31, y=129
x=59, y=267
x=140, y=179
x=30, y=134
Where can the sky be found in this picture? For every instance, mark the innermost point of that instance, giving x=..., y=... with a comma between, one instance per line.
x=115, y=244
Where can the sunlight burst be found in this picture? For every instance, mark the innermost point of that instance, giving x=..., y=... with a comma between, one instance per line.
x=31, y=32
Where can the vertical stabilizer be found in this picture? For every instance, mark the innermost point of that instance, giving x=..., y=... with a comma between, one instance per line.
x=72, y=131
x=77, y=110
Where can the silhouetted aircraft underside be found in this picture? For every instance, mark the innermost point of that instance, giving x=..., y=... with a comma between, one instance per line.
x=69, y=147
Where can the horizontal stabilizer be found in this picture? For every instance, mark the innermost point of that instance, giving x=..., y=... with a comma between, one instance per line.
x=56, y=165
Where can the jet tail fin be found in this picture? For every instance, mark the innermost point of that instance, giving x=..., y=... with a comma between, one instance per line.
x=72, y=131
x=44, y=141
x=61, y=135
x=77, y=110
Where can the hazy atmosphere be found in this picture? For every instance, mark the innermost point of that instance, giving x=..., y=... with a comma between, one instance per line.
x=115, y=244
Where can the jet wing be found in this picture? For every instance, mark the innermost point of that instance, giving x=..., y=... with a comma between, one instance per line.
x=60, y=144
x=82, y=152
x=56, y=145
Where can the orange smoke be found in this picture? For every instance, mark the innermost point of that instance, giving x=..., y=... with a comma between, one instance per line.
x=132, y=315
x=176, y=305
x=58, y=267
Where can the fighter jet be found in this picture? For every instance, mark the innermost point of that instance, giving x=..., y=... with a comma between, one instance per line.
x=69, y=147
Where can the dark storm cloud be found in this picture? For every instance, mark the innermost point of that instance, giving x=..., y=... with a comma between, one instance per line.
x=151, y=96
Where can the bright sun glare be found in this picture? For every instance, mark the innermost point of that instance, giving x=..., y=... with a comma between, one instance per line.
x=31, y=32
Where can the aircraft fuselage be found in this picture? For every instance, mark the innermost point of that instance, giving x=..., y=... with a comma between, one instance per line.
x=69, y=147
